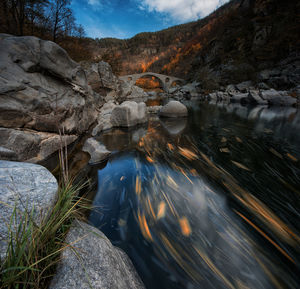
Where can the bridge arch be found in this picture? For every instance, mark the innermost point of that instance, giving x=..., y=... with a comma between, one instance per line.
x=166, y=80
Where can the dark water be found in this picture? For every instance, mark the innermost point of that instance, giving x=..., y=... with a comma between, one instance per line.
x=212, y=201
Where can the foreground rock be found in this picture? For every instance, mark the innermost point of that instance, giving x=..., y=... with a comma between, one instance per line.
x=24, y=186
x=31, y=145
x=128, y=114
x=174, y=109
x=97, y=151
x=44, y=90
x=93, y=262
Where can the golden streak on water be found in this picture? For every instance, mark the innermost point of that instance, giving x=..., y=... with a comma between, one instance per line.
x=185, y=226
x=241, y=166
x=187, y=153
x=161, y=211
x=138, y=185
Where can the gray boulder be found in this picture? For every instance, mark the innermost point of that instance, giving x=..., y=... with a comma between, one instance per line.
x=97, y=151
x=129, y=113
x=255, y=98
x=173, y=109
x=103, y=119
x=100, y=77
x=23, y=186
x=42, y=88
x=278, y=98
x=238, y=97
x=93, y=262
x=32, y=146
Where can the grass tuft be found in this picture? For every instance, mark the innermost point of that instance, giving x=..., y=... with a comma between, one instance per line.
x=34, y=248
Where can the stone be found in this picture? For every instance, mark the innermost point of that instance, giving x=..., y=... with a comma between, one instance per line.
x=129, y=113
x=42, y=88
x=93, y=262
x=278, y=98
x=132, y=92
x=238, y=97
x=101, y=78
x=24, y=186
x=244, y=86
x=103, y=119
x=33, y=146
x=154, y=109
x=255, y=98
x=7, y=154
x=173, y=109
x=97, y=151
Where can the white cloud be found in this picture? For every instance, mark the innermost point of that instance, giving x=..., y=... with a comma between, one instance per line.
x=182, y=10
x=94, y=2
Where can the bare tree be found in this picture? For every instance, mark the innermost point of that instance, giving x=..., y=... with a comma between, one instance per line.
x=60, y=14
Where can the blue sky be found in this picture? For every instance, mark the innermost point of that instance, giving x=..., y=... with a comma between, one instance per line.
x=125, y=18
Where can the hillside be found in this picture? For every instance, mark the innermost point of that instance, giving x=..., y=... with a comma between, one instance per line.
x=232, y=44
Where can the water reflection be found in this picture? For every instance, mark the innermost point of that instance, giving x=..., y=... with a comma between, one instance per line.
x=211, y=204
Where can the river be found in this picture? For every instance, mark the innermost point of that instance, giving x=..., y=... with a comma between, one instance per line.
x=210, y=201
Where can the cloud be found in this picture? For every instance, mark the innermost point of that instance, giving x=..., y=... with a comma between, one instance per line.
x=182, y=10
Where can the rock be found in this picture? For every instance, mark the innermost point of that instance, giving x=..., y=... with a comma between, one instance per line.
x=101, y=78
x=154, y=109
x=254, y=98
x=173, y=109
x=278, y=98
x=25, y=186
x=239, y=97
x=129, y=113
x=231, y=89
x=93, y=262
x=132, y=92
x=7, y=154
x=33, y=146
x=244, y=86
x=103, y=118
x=42, y=88
x=97, y=151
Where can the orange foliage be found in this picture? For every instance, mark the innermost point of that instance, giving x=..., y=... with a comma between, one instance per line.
x=148, y=83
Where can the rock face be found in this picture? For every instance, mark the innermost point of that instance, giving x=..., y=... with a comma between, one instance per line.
x=24, y=186
x=6, y=154
x=174, y=109
x=132, y=92
x=129, y=113
x=93, y=262
x=32, y=146
x=103, y=118
x=43, y=89
x=97, y=151
x=101, y=78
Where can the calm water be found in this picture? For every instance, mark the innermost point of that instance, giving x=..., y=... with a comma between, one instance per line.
x=212, y=201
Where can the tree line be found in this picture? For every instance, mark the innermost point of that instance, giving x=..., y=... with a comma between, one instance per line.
x=48, y=19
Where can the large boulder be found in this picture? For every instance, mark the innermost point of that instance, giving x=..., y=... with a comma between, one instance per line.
x=42, y=90
x=129, y=113
x=93, y=262
x=23, y=187
x=278, y=98
x=173, y=109
x=31, y=145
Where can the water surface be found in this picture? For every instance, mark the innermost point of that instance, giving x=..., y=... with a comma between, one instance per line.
x=211, y=201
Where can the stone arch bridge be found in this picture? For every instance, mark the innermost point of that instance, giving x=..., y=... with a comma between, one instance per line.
x=166, y=81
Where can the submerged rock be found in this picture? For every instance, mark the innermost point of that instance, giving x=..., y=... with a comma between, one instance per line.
x=23, y=186
x=97, y=151
x=93, y=262
x=129, y=113
x=174, y=109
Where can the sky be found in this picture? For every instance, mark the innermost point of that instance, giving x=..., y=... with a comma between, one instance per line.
x=125, y=18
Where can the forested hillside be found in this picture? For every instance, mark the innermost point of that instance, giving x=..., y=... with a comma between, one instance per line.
x=230, y=45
